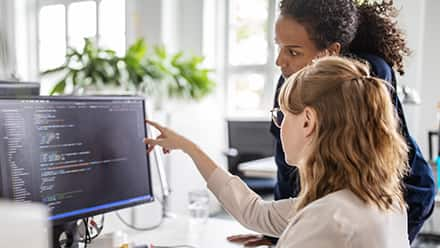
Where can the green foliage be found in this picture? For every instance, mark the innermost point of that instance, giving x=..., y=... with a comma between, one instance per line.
x=152, y=72
x=92, y=66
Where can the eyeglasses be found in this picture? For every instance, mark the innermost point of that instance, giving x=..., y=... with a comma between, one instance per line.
x=277, y=117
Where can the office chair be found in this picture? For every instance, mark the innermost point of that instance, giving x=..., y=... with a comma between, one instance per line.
x=250, y=140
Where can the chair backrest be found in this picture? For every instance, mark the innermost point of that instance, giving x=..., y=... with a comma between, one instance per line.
x=251, y=139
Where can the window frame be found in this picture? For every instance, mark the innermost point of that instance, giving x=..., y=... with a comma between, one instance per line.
x=267, y=69
x=43, y=3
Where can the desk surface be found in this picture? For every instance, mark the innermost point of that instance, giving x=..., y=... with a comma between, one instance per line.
x=182, y=230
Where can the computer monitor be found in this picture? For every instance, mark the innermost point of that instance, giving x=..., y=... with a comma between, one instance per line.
x=81, y=156
x=17, y=89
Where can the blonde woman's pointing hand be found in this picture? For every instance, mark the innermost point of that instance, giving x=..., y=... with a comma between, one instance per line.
x=168, y=139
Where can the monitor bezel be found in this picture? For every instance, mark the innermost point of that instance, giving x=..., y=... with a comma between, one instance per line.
x=96, y=98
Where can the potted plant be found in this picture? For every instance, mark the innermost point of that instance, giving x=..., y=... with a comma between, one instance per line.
x=155, y=73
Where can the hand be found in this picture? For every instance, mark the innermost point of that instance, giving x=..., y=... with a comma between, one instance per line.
x=250, y=240
x=168, y=139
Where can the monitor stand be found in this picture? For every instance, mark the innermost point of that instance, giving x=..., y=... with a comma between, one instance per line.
x=66, y=235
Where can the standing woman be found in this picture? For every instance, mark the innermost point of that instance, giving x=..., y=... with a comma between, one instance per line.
x=307, y=29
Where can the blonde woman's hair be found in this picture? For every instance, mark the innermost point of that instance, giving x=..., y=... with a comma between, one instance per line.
x=357, y=144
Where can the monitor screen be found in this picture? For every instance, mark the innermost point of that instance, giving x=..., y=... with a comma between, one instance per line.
x=80, y=156
x=17, y=89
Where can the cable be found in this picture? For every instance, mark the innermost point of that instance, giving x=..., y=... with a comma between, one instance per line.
x=138, y=228
x=86, y=239
x=160, y=200
x=96, y=227
x=142, y=228
x=174, y=246
x=90, y=225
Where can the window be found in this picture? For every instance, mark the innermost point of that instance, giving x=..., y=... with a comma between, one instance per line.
x=250, y=56
x=65, y=23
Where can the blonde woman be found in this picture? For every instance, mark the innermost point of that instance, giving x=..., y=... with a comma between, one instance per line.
x=340, y=130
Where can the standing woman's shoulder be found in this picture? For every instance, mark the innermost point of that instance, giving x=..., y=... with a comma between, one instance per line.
x=378, y=66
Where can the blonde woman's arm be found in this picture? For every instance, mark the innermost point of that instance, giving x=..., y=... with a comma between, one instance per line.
x=248, y=208
x=266, y=217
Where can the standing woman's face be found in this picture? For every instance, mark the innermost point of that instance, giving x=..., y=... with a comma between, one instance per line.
x=296, y=49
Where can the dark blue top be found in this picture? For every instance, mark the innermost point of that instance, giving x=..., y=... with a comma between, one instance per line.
x=419, y=184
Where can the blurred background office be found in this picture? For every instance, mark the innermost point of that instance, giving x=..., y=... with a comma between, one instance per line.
x=236, y=39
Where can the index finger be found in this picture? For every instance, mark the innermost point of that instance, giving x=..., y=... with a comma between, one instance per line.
x=156, y=125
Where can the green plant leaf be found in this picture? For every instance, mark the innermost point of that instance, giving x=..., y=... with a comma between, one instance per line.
x=196, y=60
x=57, y=69
x=178, y=75
x=175, y=59
x=160, y=52
x=138, y=50
x=59, y=87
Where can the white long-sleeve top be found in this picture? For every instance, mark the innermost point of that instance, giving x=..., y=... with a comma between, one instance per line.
x=339, y=219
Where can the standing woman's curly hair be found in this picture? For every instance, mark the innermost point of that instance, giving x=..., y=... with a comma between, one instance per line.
x=359, y=26
x=356, y=144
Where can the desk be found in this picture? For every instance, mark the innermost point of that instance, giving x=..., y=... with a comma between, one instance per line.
x=260, y=168
x=182, y=230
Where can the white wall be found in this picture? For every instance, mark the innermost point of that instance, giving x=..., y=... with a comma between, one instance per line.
x=144, y=19
x=430, y=89
x=411, y=20
x=418, y=19
x=7, y=39
x=18, y=27
x=25, y=39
